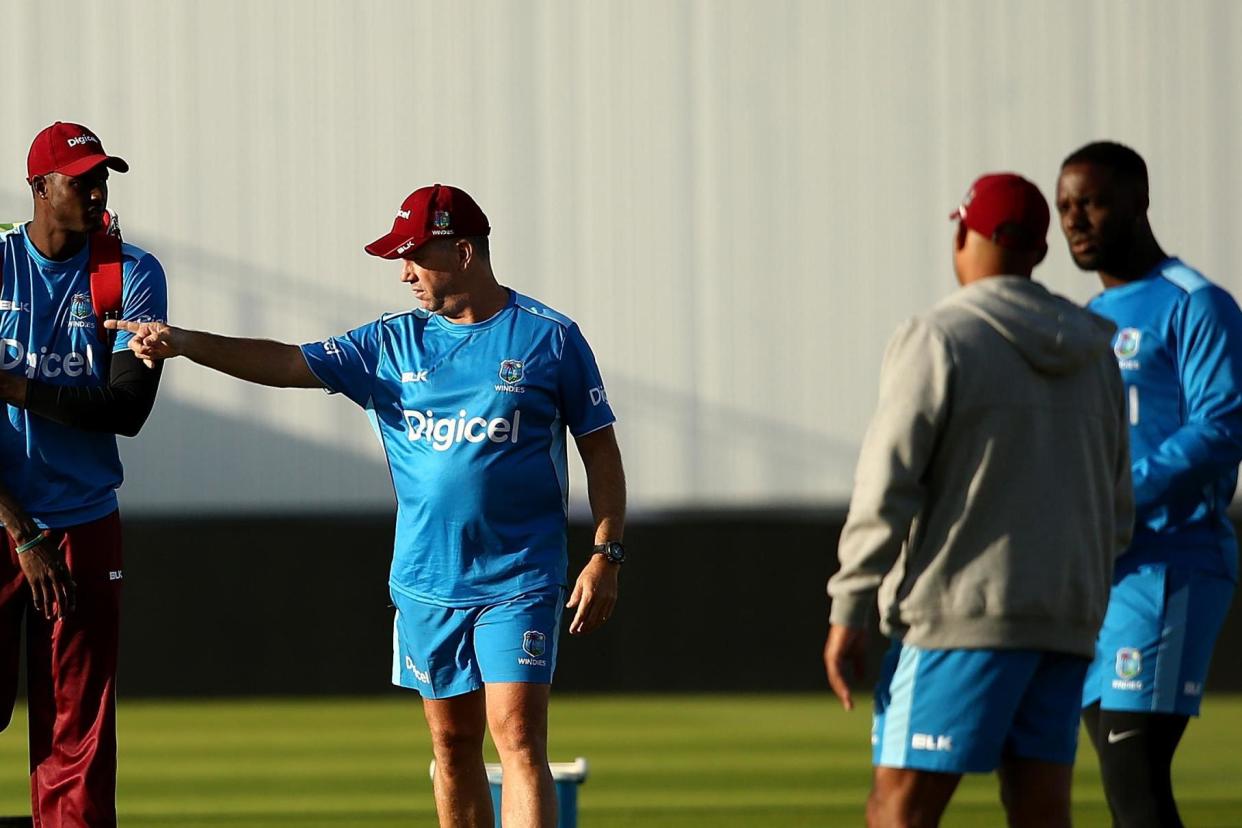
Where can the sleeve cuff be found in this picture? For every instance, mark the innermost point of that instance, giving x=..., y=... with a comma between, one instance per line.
x=310, y=366
x=851, y=610
x=593, y=429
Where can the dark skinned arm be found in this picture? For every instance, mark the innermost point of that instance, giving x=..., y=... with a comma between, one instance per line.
x=51, y=586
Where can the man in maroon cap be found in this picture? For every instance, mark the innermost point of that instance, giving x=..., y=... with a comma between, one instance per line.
x=67, y=395
x=472, y=393
x=991, y=498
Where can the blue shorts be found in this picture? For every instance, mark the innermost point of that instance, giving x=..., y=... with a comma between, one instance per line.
x=447, y=651
x=1153, y=652
x=962, y=711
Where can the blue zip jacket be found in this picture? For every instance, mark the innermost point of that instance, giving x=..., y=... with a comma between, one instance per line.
x=1179, y=348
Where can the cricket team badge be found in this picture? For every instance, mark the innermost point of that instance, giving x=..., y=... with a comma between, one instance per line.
x=80, y=307
x=1129, y=662
x=534, y=643
x=512, y=371
x=441, y=220
x=1127, y=344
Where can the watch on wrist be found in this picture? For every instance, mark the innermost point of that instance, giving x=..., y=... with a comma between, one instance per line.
x=612, y=551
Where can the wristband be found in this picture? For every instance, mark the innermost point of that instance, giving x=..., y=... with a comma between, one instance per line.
x=32, y=543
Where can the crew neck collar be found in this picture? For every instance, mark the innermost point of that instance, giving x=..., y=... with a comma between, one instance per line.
x=75, y=262
x=472, y=327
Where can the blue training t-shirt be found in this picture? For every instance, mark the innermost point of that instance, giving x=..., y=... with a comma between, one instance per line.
x=63, y=476
x=472, y=419
x=1179, y=347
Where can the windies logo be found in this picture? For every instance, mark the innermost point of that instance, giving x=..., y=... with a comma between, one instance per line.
x=441, y=220
x=1129, y=662
x=534, y=643
x=1127, y=345
x=512, y=370
x=81, y=306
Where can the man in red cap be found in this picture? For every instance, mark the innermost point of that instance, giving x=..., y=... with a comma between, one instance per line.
x=991, y=586
x=472, y=393
x=67, y=396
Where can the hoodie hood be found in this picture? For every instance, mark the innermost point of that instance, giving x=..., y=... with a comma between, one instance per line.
x=1051, y=333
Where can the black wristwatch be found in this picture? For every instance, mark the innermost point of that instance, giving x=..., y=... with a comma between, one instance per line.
x=612, y=551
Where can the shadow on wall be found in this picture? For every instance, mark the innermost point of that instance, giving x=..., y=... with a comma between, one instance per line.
x=189, y=460
x=725, y=453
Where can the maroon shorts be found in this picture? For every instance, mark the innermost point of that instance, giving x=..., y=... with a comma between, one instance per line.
x=70, y=677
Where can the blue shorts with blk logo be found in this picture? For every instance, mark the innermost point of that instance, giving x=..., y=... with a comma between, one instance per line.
x=963, y=711
x=447, y=651
x=1153, y=651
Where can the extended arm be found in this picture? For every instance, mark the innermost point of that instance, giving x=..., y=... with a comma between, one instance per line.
x=261, y=361
x=595, y=593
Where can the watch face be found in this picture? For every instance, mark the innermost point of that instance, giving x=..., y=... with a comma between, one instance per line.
x=615, y=552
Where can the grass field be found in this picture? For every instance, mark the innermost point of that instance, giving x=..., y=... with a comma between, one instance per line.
x=656, y=761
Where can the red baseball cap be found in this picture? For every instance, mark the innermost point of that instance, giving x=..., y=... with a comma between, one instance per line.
x=1007, y=209
x=428, y=213
x=70, y=149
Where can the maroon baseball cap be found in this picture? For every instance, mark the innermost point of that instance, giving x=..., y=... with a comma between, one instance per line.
x=430, y=213
x=1007, y=209
x=70, y=149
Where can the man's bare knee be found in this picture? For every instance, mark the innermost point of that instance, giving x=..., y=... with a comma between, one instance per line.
x=452, y=743
x=518, y=737
x=902, y=798
x=892, y=813
x=879, y=811
x=1035, y=794
x=457, y=727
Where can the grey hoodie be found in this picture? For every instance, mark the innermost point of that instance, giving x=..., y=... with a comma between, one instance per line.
x=993, y=488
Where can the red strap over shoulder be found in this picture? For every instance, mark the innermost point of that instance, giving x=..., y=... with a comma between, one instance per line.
x=105, y=268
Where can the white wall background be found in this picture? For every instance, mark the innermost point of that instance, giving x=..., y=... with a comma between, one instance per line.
x=737, y=200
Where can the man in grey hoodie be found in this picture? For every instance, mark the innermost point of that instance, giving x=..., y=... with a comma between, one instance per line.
x=991, y=498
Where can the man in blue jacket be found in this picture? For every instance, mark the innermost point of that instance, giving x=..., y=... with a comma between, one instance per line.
x=1179, y=348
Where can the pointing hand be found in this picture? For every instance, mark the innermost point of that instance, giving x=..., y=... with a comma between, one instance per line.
x=152, y=341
